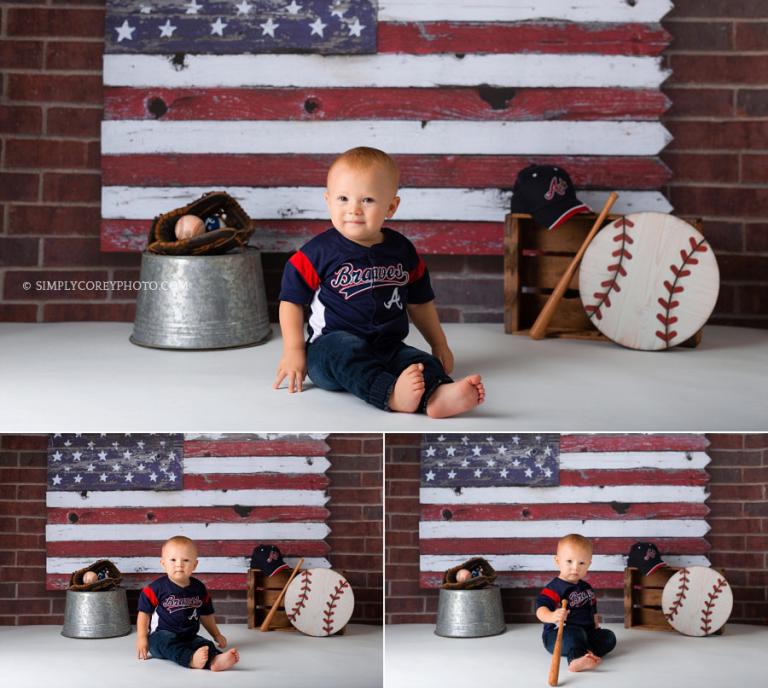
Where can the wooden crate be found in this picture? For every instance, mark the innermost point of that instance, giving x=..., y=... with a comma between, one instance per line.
x=642, y=599
x=534, y=261
x=263, y=591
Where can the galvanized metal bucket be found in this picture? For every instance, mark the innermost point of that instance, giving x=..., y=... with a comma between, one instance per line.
x=100, y=614
x=201, y=302
x=470, y=613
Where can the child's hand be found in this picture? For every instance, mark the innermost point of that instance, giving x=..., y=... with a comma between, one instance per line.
x=559, y=614
x=293, y=365
x=142, y=648
x=443, y=354
x=220, y=640
x=598, y=620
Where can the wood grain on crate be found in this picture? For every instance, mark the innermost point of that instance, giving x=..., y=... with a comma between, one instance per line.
x=263, y=591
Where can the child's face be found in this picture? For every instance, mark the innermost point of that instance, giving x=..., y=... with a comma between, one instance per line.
x=359, y=200
x=179, y=561
x=573, y=562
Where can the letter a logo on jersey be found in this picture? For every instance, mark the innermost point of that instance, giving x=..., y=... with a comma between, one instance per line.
x=394, y=300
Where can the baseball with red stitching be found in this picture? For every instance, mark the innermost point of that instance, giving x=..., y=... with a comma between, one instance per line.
x=319, y=602
x=649, y=281
x=697, y=601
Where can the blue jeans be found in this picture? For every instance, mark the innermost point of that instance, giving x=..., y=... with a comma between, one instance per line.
x=577, y=640
x=343, y=361
x=179, y=648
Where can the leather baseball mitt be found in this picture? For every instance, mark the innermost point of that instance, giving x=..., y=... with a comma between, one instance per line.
x=235, y=234
x=109, y=577
x=482, y=574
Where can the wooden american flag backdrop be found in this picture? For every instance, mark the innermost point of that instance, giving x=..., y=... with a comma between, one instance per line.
x=238, y=491
x=614, y=489
x=463, y=93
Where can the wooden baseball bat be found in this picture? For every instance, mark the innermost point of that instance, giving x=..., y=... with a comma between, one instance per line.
x=539, y=328
x=554, y=667
x=265, y=624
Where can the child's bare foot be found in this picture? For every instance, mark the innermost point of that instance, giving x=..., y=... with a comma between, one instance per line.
x=454, y=398
x=225, y=660
x=200, y=658
x=583, y=663
x=594, y=657
x=409, y=388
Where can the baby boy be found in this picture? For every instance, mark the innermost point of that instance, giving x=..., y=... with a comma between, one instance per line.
x=584, y=642
x=362, y=281
x=182, y=603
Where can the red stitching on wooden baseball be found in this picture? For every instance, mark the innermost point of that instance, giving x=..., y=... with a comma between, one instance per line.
x=682, y=588
x=673, y=288
x=603, y=297
x=306, y=587
x=331, y=605
x=706, y=613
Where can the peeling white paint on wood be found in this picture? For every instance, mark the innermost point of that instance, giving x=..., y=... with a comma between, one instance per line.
x=152, y=564
x=196, y=531
x=386, y=69
x=573, y=461
x=256, y=464
x=190, y=498
x=543, y=562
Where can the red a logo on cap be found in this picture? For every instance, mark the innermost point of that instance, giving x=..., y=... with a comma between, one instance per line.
x=556, y=186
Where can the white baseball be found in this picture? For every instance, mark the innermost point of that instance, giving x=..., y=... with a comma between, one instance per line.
x=697, y=601
x=649, y=281
x=319, y=602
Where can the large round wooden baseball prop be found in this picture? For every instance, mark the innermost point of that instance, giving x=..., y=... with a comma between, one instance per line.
x=649, y=281
x=319, y=602
x=697, y=601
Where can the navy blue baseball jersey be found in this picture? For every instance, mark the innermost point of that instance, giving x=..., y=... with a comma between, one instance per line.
x=582, y=602
x=178, y=609
x=363, y=290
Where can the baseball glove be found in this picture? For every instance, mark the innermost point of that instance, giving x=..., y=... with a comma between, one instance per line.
x=236, y=232
x=482, y=574
x=109, y=577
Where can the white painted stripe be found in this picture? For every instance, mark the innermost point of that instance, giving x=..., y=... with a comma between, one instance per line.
x=148, y=498
x=561, y=137
x=651, y=528
x=632, y=494
x=196, y=531
x=306, y=203
x=235, y=437
x=626, y=460
x=256, y=464
x=385, y=70
x=646, y=11
x=543, y=562
x=152, y=564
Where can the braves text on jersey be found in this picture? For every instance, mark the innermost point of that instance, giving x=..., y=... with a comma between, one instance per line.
x=582, y=602
x=178, y=609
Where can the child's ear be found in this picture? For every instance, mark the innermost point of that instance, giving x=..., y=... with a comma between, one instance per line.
x=393, y=206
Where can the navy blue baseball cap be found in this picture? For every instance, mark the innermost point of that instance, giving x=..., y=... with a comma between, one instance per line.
x=546, y=193
x=645, y=556
x=268, y=559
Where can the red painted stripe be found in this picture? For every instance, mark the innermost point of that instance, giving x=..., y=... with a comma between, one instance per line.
x=531, y=579
x=636, y=476
x=136, y=581
x=219, y=514
x=320, y=104
x=284, y=236
x=551, y=594
x=548, y=512
x=150, y=595
x=255, y=481
x=480, y=546
x=633, y=442
x=209, y=548
x=540, y=37
x=305, y=268
x=441, y=171
x=256, y=447
x=417, y=272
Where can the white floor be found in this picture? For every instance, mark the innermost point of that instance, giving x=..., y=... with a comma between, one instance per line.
x=36, y=656
x=89, y=377
x=415, y=656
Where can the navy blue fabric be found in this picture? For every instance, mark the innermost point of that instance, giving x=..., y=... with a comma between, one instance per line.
x=582, y=602
x=178, y=609
x=179, y=649
x=344, y=361
x=577, y=640
x=362, y=290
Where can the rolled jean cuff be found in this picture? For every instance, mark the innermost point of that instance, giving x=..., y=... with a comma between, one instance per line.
x=430, y=390
x=380, y=390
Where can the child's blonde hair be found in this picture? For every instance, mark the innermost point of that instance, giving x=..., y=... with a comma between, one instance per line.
x=364, y=157
x=575, y=540
x=180, y=540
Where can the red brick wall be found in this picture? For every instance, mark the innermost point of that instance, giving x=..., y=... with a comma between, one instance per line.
x=738, y=517
x=50, y=57
x=355, y=520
